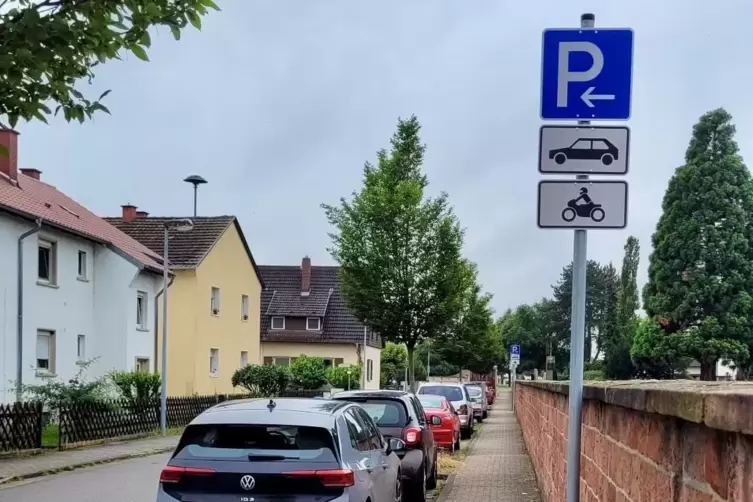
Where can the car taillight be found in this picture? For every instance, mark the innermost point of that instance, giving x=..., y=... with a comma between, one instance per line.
x=173, y=474
x=331, y=478
x=463, y=410
x=412, y=436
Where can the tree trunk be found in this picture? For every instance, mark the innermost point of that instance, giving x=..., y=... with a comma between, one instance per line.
x=708, y=371
x=411, y=373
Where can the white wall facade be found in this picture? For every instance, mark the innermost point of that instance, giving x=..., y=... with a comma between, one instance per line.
x=101, y=306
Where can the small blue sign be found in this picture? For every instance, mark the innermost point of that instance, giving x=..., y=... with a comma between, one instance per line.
x=586, y=74
x=515, y=350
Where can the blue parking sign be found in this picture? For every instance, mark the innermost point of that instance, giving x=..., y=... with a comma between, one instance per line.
x=586, y=74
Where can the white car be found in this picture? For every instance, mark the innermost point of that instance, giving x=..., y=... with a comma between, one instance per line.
x=458, y=395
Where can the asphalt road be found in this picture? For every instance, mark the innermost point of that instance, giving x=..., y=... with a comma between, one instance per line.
x=128, y=481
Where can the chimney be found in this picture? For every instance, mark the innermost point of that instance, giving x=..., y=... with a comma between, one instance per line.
x=129, y=212
x=9, y=162
x=142, y=214
x=305, y=276
x=31, y=173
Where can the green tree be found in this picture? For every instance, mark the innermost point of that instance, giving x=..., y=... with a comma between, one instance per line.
x=394, y=362
x=595, y=305
x=430, y=354
x=137, y=386
x=618, y=364
x=308, y=372
x=344, y=377
x=528, y=326
x=50, y=46
x=399, y=250
x=657, y=354
x=700, y=272
x=471, y=342
x=262, y=380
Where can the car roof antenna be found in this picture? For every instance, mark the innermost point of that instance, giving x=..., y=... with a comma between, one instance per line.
x=271, y=405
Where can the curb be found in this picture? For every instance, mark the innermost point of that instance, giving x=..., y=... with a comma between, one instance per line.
x=82, y=465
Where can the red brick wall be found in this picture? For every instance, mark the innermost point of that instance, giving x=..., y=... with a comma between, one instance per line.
x=629, y=455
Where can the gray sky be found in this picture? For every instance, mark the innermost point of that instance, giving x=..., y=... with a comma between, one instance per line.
x=278, y=103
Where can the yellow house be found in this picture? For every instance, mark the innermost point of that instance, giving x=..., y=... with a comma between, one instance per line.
x=213, y=301
x=303, y=312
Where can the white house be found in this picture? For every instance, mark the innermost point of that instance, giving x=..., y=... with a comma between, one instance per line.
x=73, y=288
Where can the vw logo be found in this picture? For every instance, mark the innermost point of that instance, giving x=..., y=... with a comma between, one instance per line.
x=248, y=482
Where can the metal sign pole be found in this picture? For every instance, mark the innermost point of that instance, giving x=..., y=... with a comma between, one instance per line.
x=577, y=340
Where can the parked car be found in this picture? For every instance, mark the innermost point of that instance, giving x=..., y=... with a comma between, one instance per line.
x=291, y=449
x=444, y=420
x=399, y=414
x=485, y=396
x=457, y=394
x=478, y=401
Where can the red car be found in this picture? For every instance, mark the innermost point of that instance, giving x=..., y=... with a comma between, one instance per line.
x=443, y=420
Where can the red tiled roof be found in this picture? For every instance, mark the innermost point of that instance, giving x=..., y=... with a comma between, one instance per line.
x=35, y=199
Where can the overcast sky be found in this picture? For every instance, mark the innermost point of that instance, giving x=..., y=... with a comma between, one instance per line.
x=278, y=103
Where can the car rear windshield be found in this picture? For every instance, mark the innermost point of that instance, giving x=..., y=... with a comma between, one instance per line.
x=431, y=401
x=386, y=413
x=450, y=392
x=475, y=391
x=256, y=442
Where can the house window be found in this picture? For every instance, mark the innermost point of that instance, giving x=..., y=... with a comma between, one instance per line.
x=214, y=362
x=47, y=254
x=244, y=307
x=81, y=348
x=278, y=322
x=339, y=361
x=313, y=323
x=142, y=364
x=82, y=264
x=215, y=303
x=369, y=369
x=46, y=350
x=141, y=310
x=244, y=358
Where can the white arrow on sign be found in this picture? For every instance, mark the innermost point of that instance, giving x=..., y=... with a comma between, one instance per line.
x=588, y=97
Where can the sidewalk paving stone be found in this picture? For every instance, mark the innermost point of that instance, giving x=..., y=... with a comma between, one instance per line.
x=12, y=469
x=497, y=468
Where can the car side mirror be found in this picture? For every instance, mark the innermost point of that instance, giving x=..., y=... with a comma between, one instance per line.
x=435, y=420
x=396, y=444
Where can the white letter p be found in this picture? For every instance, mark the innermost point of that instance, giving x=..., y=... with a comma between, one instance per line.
x=565, y=76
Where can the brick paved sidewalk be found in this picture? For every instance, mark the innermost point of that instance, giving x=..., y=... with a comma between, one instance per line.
x=497, y=468
x=38, y=465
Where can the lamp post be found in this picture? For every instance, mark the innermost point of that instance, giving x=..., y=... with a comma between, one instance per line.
x=183, y=225
x=349, y=371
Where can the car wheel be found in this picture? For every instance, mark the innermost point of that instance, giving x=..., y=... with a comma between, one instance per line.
x=457, y=442
x=466, y=433
x=431, y=482
x=399, y=487
x=607, y=159
x=415, y=490
x=486, y=414
x=560, y=158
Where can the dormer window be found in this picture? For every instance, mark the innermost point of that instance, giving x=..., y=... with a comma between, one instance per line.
x=278, y=322
x=313, y=323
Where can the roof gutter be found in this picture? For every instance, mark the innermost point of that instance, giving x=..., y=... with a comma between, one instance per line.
x=156, y=318
x=20, y=311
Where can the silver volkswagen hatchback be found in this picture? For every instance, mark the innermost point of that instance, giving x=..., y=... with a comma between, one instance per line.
x=262, y=450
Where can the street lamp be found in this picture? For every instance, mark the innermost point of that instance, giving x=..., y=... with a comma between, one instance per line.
x=182, y=225
x=349, y=371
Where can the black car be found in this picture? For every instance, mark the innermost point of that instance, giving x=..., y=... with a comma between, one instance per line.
x=296, y=450
x=587, y=149
x=399, y=414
